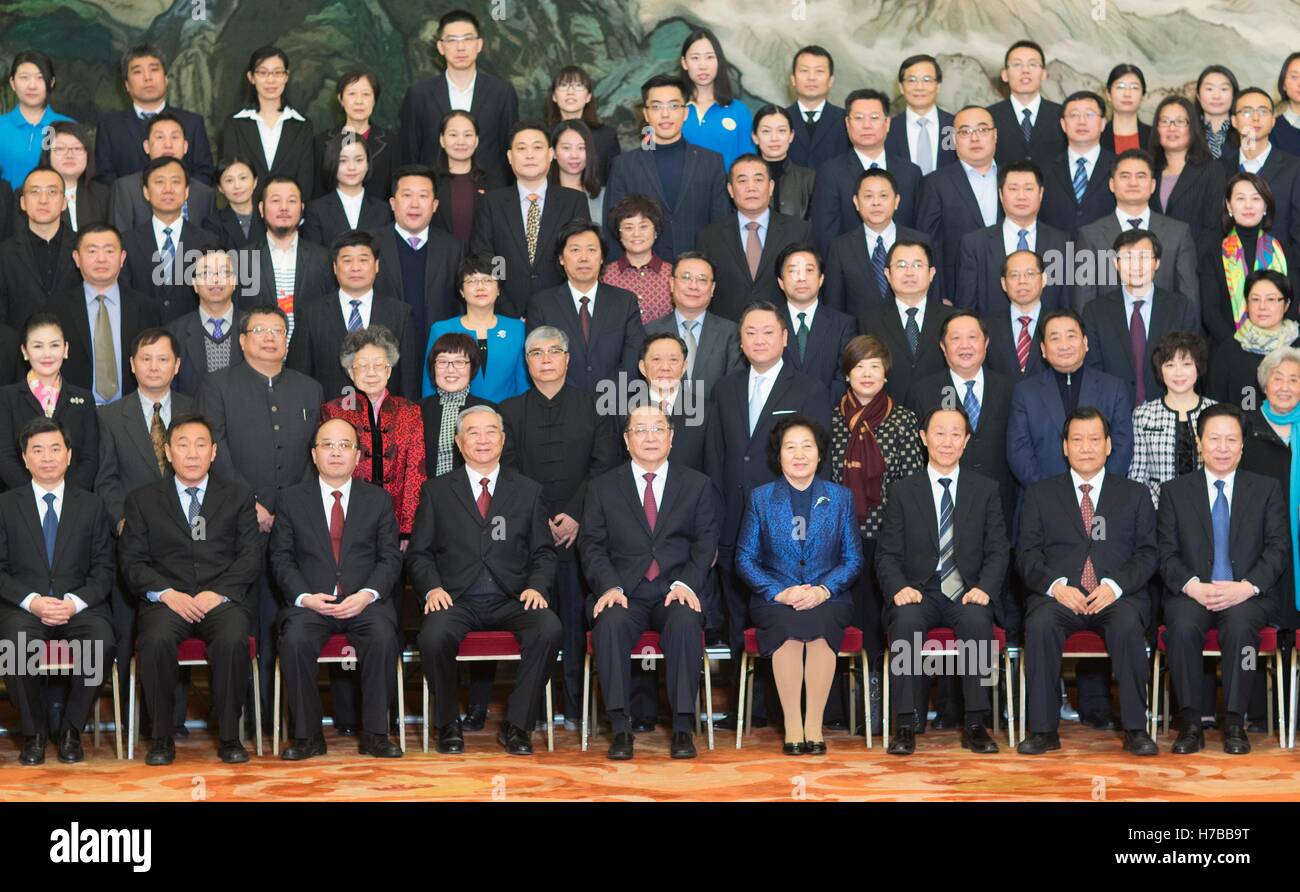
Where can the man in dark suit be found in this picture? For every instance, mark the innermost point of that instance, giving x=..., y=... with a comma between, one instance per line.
x=687, y=181
x=819, y=332
x=36, y=261
x=744, y=248
x=921, y=133
x=1087, y=551
x=961, y=198
x=293, y=270
x=101, y=319
x=335, y=555
x=56, y=574
x=603, y=323
x=206, y=338
x=164, y=137
x=191, y=554
x=773, y=134
x=1077, y=188
x=819, y=133
x=650, y=568
x=1029, y=124
x=160, y=253
x=519, y=224
x=909, y=324
x=120, y=134
x=324, y=322
x=712, y=342
x=1253, y=152
x=867, y=124
x=1126, y=323
x=982, y=252
x=473, y=581
x=463, y=86
x=1224, y=545
x=942, y=560
x=1015, y=337
x=682, y=400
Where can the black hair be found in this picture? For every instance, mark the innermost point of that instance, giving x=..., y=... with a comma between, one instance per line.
x=777, y=436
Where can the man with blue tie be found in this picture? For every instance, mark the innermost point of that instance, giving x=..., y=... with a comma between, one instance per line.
x=1029, y=123
x=818, y=125
x=1078, y=179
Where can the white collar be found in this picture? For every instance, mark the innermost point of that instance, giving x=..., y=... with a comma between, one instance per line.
x=1034, y=105
x=286, y=113
x=326, y=489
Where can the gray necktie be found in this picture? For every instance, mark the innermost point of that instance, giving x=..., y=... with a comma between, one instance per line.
x=193, y=513
x=688, y=335
x=924, y=148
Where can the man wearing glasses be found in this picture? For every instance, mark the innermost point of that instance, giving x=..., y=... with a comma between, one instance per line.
x=921, y=132
x=1252, y=116
x=207, y=337
x=44, y=245
x=712, y=342
x=1028, y=123
x=1077, y=181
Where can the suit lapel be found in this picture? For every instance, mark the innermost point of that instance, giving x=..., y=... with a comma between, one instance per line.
x=467, y=496
x=546, y=225
x=688, y=171
x=27, y=508
x=1115, y=311
x=321, y=523
x=132, y=414
x=627, y=485
x=775, y=394
x=1071, y=506
x=926, y=496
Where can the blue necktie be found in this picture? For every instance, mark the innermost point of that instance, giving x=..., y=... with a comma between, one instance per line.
x=1022, y=239
x=913, y=330
x=50, y=528
x=972, y=406
x=354, y=321
x=1080, y=178
x=1026, y=125
x=217, y=334
x=193, y=513
x=1222, y=570
x=168, y=255
x=878, y=255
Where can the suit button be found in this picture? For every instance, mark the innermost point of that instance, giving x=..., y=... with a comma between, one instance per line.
x=275, y=408
x=801, y=563
x=747, y=458
x=275, y=427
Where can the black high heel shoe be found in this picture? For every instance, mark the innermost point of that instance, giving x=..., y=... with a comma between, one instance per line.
x=815, y=747
x=798, y=748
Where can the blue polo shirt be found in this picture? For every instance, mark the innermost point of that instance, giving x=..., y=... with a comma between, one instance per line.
x=20, y=143
x=725, y=129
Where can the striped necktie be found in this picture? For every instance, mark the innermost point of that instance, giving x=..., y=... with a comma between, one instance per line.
x=950, y=581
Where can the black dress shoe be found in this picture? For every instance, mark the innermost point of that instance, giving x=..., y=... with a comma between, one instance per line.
x=475, y=719
x=976, y=739
x=162, y=752
x=379, y=746
x=726, y=723
x=451, y=740
x=683, y=745
x=798, y=748
x=944, y=723
x=815, y=747
x=1098, y=721
x=1235, y=741
x=346, y=729
x=1139, y=743
x=904, y=742
x=70, y=750
x=1257, y=726
x=304, y=748
x=643, y=726
x=1191, y=739
x=1036, y=744
x=232, y=752
x=620, y=749
x=34, y=750
x=180, y=731
x=516, y=740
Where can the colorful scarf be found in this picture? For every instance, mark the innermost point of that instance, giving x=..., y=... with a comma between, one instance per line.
x=864, y=464
x=47, y=396
x=1262, y=341
x=1268, y=255
x=1292, y=418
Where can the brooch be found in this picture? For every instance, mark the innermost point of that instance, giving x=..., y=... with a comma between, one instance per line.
x=501, y=332
x=76, y=400
x=728, y=124
x=821, y=500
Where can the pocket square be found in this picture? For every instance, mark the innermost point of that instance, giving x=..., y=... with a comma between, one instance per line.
x=783, y=411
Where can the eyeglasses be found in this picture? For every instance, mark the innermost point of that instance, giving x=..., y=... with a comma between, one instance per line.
x=1126, y=85
x=918, y=265
x=1259, y=111
x=336, y=445
x=912, y=80
x=68, y=150
x=1173, y=123
x=216, y=276
x=48, y=192
x=657, y=430
x=1082, y=115
x=860, y=118
x=1025, y=66
x=1027, y=275
x=1265, y=299
x=536, y=352
x=458, y=365
x=657, y=107
x=968, y=132
x=365, y=367
x=479, y=280
x=275, y=332
x=688, y=278
x=458, y=38
x=572, y=87
x=271, y=74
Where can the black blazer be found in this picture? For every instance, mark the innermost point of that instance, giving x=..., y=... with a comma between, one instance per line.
x=897, y=144
x=128, y=208
x=1197, y=200
x=689, y=419
x=1260, y=546
x=313, y=273
x=83, y=562
x=828, y=335
x=1108, y=136
x=431, y=414
x=294, y=156
x=75, y=410
x=326, y=220
x=1216, y=305
x=158, y=550
x=119, y=145
x=1059, y=206
x=607, y=149
x=142, y=258
x=832, y=211
x=793, y=192
x=302, y=557
x=907, y=547
x=499, y=233
x=1282, y=173
x=232, y=234
x=495, y=107
x=1106, y=325
x=126, y=459
x=9, y=213
x=947, y=211
x=452, y=544
x=701, y=198
x=385, y=149
x=904, y=368
x=850, y=277
x=318, y=332
x=442, y=217
x=616, y=333
x=443, y=254
x=830, y=138
x=94, y=205
x=21, y=293
x=1046, y=141
x=13, y=368
x=137, y=313
x=188, y=331
x=979, y=270
x=1002, y=356
x=734, y=289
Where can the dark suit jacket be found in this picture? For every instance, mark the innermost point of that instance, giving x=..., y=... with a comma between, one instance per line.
x=896, y=139
x=979, y=270
x=1047, y=140
x=294, y=156
x=828, y=335
x=1178, y=258
x=302, y=556
x=701, y=199
x=158, y=550
x=1002, y=356
x=188, y=331
x=443, y=254
x=9, y=213
x=326, y=220
x=616, y=333
x=907, y=547
x=75, y=410
x=1108, y=136
x=832, y=211
x=137, y=314
x=735, y=290
x=313, y=273
x=794, y=195
x=495, y=107
x=688, y=415
x=385, y=150
x=232, y=234
x=21, y=293
x=851, y=278
x=1107, y=328
x=1282, y=173
x=830, y=138
x=119, y=145
x=83, y=562
x=442, y=217
x=1060, y=209
x=717, y=346
x=1197, y=200
x=142, y=258
x=126, y=459
x=318, y=333
x=13, y=368
x=947, y=211
x=94, y=204
x=884, y=322
x=499, y=232
x=451, y=543
x=130, y=210
x=431, y=414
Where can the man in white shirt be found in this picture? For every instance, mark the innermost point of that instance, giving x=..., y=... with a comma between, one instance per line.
x=1028, y=122
x=1253, y=118
x=817, y=124
x=922, y=131
x=1077, y=180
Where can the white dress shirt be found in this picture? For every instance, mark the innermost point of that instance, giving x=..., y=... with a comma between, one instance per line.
x=768, y=377
x=867, y=160
x=1123, y=218
x=762, y=220
x=902, y=313
x=936, y=493
x=367, y=303
x=1011, y=235
x=889, y=235
x=270, y=133
x=165, y=412
x=39, y=492
x=1095, y=495
x=1019, y=108
x=914, y=132
x=475, y=477
x=1253, y=165
x=809, y=312
x=1089, y=161
x=461, y=100
x=327, y=502
x=960, y=383
x=524, y=203
x=406, y=235
x=816, y=110
x=579, y=295
x=1130, y=299
x=351, y=207
x=985, y=187
x=1032, y=312
x=158, y=236
x=70, y=196
x=661, y=476
x=1212, y=493
x=184, y=498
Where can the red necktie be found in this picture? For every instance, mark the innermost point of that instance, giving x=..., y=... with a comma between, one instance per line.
x=484, y=498
x=336, y=524
x=651, y=517
x=1089, y=576
x=1022, y=343
x=584, y=316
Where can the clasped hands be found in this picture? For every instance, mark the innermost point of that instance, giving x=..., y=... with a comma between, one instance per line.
x=910, y=595
x=192, y=608
x=1216, y=596
x=330, y=605
x=804, y=596
x=1084, y=604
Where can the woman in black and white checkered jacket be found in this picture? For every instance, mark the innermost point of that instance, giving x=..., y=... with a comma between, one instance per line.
x=1164, y=429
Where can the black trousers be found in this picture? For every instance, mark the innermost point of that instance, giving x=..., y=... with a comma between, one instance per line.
x=441, y=632
x=373, y=635
x=1187, y=622
x=735, y=603
x=224, y=631
x=681, y=638
x=345, y=686
x=1049, y=623
x=94, y=661
x=906, y=624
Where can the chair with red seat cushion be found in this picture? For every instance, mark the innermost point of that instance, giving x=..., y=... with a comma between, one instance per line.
x=64, y=660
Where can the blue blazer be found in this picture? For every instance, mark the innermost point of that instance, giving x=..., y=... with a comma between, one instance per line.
x=119, y=142
x=701, y=199
x=771, y=560
x=505, y=375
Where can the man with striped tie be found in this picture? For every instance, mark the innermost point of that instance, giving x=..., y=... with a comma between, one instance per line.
x=1078, y=179
x=942, y=558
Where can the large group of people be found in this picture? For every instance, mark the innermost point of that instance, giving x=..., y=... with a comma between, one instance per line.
x=1017, y=372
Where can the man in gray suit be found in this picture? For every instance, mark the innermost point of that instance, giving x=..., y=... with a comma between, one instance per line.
x=206, y=337
x=1133, y=180
x=263, y=419
x=712, y=343
x=164, y=138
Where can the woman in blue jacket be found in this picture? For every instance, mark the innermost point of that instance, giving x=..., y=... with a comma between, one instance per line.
x=716, y=119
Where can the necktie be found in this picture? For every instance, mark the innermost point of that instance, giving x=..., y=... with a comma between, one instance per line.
x=532, y=225
x=924, y=148
x=354, y=320
x=753, y=249
x=1026, y=125
x=484, y=498
x=878, y=255
x=1137, y=339
x=217, y=333
x=1089, y=576
x=105, y=352
x=972, y=406
x=49, y=529
x=651, y=518
x=688, y=335
x=913, y=331
x=1135, y=222
x=950, y=581
x=168, y=254
x=147, y=116
x=1022, y=343
x=1219, y=516
x=1022, y=239
x=584, y=317
x=193, y=514
x=811, y=118
x=414, y=242
x=756, y=400
x=185, y=210
x=1080, y=178
x=158, y=436
x=801, y=334
x=336, y=524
